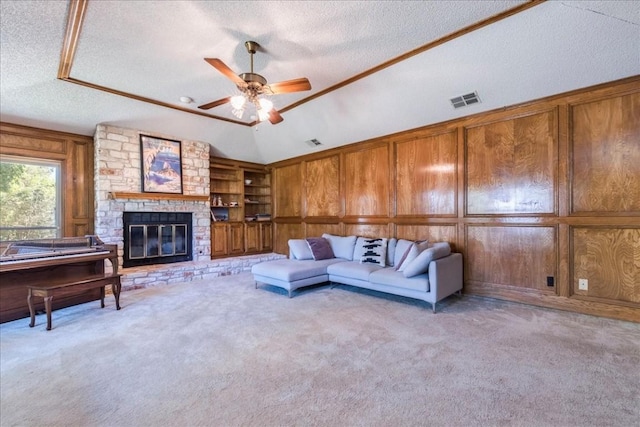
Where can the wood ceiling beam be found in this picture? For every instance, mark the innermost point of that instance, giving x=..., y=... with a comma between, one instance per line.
x=77, y=9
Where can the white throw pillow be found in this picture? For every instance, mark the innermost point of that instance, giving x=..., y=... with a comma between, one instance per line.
x=299, y=249
x=420, y=264
x=342, y=246
x=375, y=251
x=359, y=249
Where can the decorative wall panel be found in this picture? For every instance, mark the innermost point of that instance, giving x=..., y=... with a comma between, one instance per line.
x=432, y=233
x=322, y=181
x=426, y=171
x=609, y=259
x=518, y=256
x=288, y=191
x=282, y=234
x=606, y=155
x=316, y=230
x=511, y=166
x=368, y=230
x=34, y=140
x=367, y=182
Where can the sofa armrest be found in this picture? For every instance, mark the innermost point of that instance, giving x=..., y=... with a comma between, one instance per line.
x=445, y=275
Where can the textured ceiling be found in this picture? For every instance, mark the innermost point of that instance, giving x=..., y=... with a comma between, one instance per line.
x=155, y=50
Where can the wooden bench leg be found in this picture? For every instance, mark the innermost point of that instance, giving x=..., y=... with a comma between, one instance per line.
x=102, y=297
x=47, y=308
x=31, y=310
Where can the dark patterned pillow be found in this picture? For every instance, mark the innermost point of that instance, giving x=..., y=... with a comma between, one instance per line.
x=375, y=252
x=320, y=248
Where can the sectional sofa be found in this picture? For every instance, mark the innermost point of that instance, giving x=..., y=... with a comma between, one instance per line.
x=414, y=269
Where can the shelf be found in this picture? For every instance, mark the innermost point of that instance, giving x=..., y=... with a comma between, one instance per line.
x=226, y=192
x=214, y=178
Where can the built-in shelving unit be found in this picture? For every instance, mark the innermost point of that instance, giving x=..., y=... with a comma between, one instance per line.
x=240, y=208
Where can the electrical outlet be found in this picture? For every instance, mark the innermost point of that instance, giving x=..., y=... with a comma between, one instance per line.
x=583, y=284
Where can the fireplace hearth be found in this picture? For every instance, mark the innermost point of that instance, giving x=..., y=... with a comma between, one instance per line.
x=157, y=238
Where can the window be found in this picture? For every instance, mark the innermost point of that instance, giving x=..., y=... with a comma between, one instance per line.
x=30, y=198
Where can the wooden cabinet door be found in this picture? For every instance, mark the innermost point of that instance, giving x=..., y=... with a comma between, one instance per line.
x=252, y=237
x=266, y=236
x=219, y=240
x=236, y=238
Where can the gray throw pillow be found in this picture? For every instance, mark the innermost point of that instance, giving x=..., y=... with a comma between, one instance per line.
x=391, y=250
x=402, y=248
x=412, y=253
x=342, y=246
x=299, y=249
x=320, y=248
x=420, y=264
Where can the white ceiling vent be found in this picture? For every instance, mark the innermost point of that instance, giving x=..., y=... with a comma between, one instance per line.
x=464, y=100
x=313, y=142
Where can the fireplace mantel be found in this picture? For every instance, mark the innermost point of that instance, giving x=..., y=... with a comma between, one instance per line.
x=114, y=195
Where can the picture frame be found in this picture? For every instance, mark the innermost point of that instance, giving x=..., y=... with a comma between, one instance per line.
x=161, y=165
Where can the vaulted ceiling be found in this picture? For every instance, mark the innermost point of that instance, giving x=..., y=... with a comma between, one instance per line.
x=375, y=67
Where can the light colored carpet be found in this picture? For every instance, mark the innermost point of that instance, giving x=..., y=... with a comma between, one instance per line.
x=221, y=353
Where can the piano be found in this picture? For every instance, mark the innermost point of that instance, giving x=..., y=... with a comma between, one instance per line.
x=28, y=262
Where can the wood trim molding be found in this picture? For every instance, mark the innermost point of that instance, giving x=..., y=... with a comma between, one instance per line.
x=77, y=9
x=421, y=49
x=157, y=196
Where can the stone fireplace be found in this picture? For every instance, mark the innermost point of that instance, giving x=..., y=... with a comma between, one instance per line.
x=118, y=189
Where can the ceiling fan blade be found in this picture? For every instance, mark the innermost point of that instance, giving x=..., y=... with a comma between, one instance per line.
x=214, y=103
x=295, y=85
x=222, y=67
x=275, y=117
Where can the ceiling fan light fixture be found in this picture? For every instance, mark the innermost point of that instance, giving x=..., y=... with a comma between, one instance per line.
x=265, y=104
x=237, y=102
x=252, y=87
x=263, y=114
x=237, y=112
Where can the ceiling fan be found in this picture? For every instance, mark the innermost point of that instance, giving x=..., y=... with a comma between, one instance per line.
x=252, y=86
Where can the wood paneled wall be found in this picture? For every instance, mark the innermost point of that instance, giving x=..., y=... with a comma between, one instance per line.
x=535, y=196
x=75, y=154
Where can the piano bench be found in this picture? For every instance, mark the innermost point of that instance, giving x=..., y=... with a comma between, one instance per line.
x=61, y=288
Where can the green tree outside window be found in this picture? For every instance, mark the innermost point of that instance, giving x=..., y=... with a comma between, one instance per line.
x=28, y=200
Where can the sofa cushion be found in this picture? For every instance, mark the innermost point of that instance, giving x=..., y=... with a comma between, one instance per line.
x=299, y=249
x=353, y=270
x=290, y=270
x=320, y=248
x=402, y=246
x=391, y=277
x=420, y=264
x=412, y=254
x=342, y=246
x=391, y=250
x=375, y=252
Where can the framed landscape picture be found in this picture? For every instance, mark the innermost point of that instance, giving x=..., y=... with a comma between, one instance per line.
x=161, y=165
